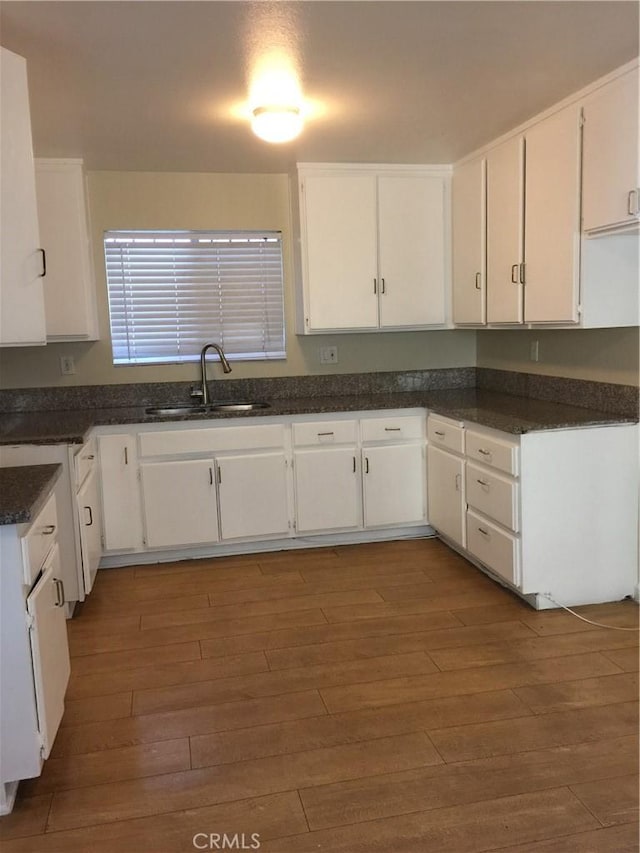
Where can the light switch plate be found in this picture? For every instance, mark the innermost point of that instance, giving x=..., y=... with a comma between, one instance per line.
x=67, y=365
x=328, y=355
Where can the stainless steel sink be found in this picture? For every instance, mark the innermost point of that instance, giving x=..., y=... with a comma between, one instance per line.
x=222, y=406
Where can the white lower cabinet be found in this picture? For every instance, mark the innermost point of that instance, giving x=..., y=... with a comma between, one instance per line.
x=445, y=474
x=494, y=547
x=179, y=503
x=90, y=525
x=120, y=492
x=253, y=495
x=394, y=485
x=327, y=489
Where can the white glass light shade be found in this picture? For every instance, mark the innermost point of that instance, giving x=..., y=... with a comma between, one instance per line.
x=277, y=123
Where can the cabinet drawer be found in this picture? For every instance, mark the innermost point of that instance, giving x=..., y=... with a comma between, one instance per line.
x=325, y=432
x=498, y=550
x=39, y=540
x=496, y=452
x=84, y=461
x=492, y=495
x=179, y=441
x=444, y=432
x=402, y=427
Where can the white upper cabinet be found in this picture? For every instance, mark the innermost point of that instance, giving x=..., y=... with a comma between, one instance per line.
x=469, y=203
x=373, y=248
x=611, y=156
x=22, y=264
x=70, y=294
x=552, y=219
x=505, y=232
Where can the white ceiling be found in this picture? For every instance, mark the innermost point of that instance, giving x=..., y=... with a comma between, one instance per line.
x=152, y=85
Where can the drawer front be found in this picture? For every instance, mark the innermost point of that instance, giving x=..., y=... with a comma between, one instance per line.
x=496, y=452
x=39, y=540
x=497, y=549
x=492, y=495
x=176, y=442
x=401, y=428
x=325, y=432
x=445, y=433
x=84, y=460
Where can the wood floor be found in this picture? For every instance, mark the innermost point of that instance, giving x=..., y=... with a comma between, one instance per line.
x=381, y=698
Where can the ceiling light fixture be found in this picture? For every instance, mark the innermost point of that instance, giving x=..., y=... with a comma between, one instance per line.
x=277, y=123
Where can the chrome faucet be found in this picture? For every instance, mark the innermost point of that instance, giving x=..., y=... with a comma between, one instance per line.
x=226, y=367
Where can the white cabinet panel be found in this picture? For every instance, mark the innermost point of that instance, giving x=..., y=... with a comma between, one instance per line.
x=90, y=519
x=497, y=452
x=392, y=428
x=325, y=432
x=70, y=294
x=445, y=433
x=394, y=484
x=179, y=503
x=411, y=250
x=492, y=495
x=496, y=548
x=611, y=155
x=327, y=486
x=120, y=493
x=552, y=219
x=253, y=495
x=505, y=231
x=469, y=199
x=445, y=476
x=340, y=240
x=50, y=650
x=22, y=317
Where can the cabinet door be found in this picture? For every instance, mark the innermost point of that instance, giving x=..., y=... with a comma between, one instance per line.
x=90, y=519
x=49, y=649
x=179, y=503
x=253, y=495
x=327, y=486
x=394, y=485
x=469, y=243
x=552, y=219
x=611, y=155
x=339, y=251
x=21, y=264
x=446, y=494
x=120, y=493
x=411, y=250
x=70, y=291
x=505, y=210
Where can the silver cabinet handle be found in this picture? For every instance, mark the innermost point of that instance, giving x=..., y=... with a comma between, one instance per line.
x=521, y=273
x=382, y=285
x=483, y=483
x=90, y=511
x=44, y=263
x=90, y=456
x=514, y=273
x=219, y=475
x=375, y=285
x=126, y=455
x=441, y=434
x=393, y=429
x=60, y=599
x=49, y=530
x=366, y=464
x=478, y=281
x=483, y=531
x=458, y=480
x=484, y=452
x=210, y=476
x=354, y=464
x=632, y=203
x=325, y=433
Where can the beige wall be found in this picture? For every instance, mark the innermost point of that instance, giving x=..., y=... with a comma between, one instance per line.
x=224, y=201
x=603, y=355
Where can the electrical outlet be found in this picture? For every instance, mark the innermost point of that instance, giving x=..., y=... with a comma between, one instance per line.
x=67, y=365
x=328, y=355
x=534, y=351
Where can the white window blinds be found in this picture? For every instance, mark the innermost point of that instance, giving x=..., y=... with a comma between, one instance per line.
x=170, y=292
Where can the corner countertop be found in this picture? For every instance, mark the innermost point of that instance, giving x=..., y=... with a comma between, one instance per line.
x=23, y=491
x=505, y=412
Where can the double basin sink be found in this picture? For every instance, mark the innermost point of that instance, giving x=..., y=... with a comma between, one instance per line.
x=210, y=408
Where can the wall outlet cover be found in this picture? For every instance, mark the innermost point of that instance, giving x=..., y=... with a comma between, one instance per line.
x=328, y=355
x=67, y=365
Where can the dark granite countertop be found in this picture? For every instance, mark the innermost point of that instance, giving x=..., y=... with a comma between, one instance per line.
x=23, y=491
x=504, y=412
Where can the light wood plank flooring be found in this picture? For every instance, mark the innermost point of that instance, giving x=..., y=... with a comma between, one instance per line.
x=383, y=698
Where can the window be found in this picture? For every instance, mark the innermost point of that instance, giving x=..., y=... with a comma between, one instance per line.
x=170, y=292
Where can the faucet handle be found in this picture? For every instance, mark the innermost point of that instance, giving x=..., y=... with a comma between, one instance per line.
x=196, y=391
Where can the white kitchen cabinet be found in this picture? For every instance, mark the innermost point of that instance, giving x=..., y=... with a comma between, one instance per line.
x=611, y=172
x=122, y=523
x=445, y=477
x=70, y=294
x=373, y=248
x=552, y=219
x=22, y=264
x=34, y=653
x=394, y=484
x=327, y=489
x=253, y=495
x=469, y=236
x=90, y=525
x=179, y=503
x=505, y=232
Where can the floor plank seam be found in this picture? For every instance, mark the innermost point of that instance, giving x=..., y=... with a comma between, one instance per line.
x=304, y=811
